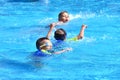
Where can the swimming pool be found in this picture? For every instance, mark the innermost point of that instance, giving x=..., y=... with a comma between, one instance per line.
x=96, y=57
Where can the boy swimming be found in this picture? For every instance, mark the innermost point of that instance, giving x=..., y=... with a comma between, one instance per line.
x=63, y=17
x=44, y=48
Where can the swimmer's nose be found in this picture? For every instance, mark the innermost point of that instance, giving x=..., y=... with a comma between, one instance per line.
x=67, y=19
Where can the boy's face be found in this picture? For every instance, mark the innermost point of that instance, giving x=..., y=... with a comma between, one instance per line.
x=48, y=44
x=65, y=17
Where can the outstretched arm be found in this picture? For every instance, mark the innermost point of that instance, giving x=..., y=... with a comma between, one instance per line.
x=50, y=30
x=52, y=26
x=81, y=34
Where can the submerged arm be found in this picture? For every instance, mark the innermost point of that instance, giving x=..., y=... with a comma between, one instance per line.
x=64, y=50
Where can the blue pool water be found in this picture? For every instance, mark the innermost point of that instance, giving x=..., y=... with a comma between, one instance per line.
x=96, y=57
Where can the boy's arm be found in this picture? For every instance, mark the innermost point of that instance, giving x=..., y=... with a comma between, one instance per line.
x=81, y=34
x=52, y=27
x=50, y=30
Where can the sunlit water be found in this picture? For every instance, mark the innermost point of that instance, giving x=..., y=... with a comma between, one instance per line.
x=95, y=57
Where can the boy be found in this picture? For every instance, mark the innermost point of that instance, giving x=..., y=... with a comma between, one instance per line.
x=44, y=47
x=63, y=17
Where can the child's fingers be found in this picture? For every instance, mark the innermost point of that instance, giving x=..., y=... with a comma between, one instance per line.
x=84, y=25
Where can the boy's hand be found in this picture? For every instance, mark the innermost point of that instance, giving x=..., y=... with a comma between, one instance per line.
x=84, y=26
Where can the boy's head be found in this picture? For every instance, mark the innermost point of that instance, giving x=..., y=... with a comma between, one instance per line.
x=60, y=34
x=63, y=16
x=43, y=43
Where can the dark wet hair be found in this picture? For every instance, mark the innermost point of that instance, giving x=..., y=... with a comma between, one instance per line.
x=60, y=34
x=38, y=42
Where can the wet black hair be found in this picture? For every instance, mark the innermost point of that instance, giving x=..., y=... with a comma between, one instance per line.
x=38, y=42
x=59, y=36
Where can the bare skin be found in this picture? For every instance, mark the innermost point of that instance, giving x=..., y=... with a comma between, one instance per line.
x=81, y=34
x=63, y=18
x=47, y=45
